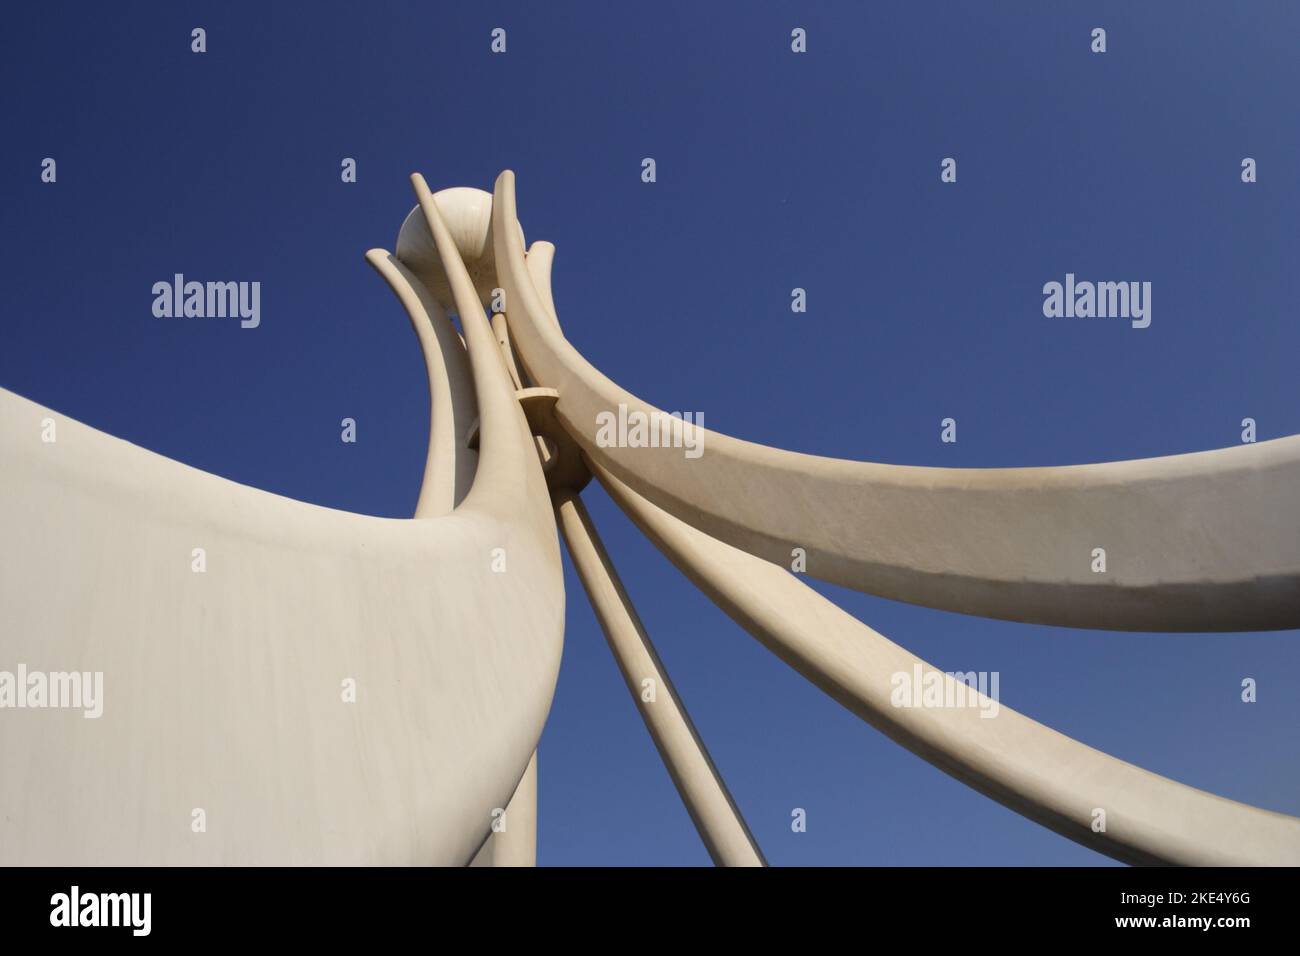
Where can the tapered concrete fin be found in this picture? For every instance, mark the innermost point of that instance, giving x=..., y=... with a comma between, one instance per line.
x=1036, y=771
x=450, y=463
x=1201, y=542
x=539, y=259
x=281, y=683
x=505, y=443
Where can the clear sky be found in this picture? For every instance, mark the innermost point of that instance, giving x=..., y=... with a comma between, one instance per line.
x=775, y=170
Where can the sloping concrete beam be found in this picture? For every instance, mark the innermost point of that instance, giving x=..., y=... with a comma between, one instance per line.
x=1034, y=770
x=1200, y=542
x=696, y=777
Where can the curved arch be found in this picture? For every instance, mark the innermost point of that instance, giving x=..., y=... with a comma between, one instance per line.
x=1200, y=542
x=450, y=462
x=1039, y=773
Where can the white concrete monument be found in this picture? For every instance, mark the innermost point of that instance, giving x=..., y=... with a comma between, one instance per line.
x=223, y=628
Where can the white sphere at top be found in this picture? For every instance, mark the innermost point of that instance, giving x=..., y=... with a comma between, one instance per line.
x=468, y=215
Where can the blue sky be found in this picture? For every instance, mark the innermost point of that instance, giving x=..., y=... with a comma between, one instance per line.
x=775, y=170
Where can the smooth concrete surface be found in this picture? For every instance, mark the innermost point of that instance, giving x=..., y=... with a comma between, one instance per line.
x=467, y=214
x=453, y=409
x=1200, y=542
x=514, y=843
x=1036, y=771
x=702, y=789
x=223, y=690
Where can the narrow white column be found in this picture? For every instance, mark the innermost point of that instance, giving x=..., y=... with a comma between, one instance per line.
x=714, y=813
